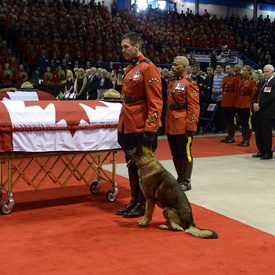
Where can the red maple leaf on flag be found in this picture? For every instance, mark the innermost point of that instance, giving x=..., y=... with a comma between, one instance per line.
x=69, y=110
x=4, y=95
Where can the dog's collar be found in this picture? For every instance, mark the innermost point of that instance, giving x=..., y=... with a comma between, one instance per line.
x=130, y=162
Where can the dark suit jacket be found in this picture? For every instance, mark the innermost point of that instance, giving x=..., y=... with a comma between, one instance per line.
x=208, y=85
x=91, y=87
x=267, y=100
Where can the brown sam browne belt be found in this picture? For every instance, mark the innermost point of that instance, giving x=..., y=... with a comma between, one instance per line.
x=229, y=91
x=133, y=99
x=172, y=107
x=244, y=94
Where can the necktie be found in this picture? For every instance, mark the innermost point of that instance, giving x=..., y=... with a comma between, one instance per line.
x=258, y=99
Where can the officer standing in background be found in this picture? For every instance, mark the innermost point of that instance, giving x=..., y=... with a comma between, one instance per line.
x=243, y=102
x=140, y=113
x=183, y=109
x=229, y=87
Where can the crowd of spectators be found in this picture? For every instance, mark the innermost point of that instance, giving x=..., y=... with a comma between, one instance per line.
x=65, y=35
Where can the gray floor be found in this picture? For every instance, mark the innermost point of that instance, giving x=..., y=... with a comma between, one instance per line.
x=238, y=186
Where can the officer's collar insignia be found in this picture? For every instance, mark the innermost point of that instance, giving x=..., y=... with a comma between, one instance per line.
x=134, y=60
x=179, y=77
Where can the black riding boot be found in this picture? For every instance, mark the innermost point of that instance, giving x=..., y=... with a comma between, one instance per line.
x=179, y=169
x=187, y=172
x=139, y=209
x=134, y=184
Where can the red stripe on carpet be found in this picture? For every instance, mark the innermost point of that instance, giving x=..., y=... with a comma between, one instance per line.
x=71, y=231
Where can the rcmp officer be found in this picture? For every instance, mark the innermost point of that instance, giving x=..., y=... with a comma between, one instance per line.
x=243, y=102
x=229, y=87
x=140, y=113
x=181, y=119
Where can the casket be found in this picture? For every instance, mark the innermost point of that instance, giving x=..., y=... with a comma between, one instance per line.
x=43, y=126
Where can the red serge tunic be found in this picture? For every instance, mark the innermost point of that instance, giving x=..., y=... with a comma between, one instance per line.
x=142, y=79
x=182, y=90
x=246, y=90
x=229, y=87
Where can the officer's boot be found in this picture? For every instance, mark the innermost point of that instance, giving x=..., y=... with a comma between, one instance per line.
x=247, y=137
x=231, y=132
x=134, y=184
x=179, y=169
x=243, y=136
x=187, y=172
x=139, y=209
x=228, y=135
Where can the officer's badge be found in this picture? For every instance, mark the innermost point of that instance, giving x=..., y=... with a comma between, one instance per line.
x=137, y=75
x=267, y=90
x=180, y=87
x=194, y=93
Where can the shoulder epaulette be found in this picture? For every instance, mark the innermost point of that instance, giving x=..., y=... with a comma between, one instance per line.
x=189, y=79
x=148, y=61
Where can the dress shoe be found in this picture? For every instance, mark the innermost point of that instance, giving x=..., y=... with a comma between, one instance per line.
x=186, y=186
x=130, y=206
x=267, y=156
x=137, y=211
x=241, y=143
x=245, y=143
x=257, y=155
x=225, y=139
x=231, y=139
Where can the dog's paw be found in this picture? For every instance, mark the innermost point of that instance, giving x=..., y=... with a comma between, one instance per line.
x=177, y=227
x=142, y=223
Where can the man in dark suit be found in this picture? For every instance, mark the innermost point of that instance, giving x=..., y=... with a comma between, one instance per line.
x=263, y=103
x=91, y=86
x=208, y=85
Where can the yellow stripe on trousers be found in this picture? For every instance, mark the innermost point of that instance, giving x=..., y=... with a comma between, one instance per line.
x=188, y=149
x=249, y=120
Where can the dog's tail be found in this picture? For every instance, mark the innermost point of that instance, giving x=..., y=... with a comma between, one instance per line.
x=201, y=233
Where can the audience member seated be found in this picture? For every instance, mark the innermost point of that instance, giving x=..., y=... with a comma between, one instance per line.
x=47, y=77
x=21, y=75
x=6, y=75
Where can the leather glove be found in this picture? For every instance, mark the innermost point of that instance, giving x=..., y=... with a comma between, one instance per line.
x=147, y=138
x=190, y=133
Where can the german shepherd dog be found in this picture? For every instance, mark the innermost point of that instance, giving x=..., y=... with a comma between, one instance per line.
x=161, y=188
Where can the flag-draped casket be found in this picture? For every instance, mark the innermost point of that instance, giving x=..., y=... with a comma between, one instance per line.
x=69, y=125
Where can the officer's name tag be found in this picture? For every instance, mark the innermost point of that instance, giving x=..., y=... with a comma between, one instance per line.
x=267, y=90
x=180, y=86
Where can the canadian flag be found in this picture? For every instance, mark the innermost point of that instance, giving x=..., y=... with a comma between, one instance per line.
x=26, y=95
x=41, y=126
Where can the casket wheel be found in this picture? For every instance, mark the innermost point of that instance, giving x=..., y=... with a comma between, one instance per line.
x=110, y=195
x=94, y=187
x=4, y=208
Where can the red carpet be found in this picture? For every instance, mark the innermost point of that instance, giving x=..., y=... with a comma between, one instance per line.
x=70, y=231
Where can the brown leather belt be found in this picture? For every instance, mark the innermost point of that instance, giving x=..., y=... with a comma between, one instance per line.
x=173, y=107
x=133, y=99
x=244, y=94
x=229, y=91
